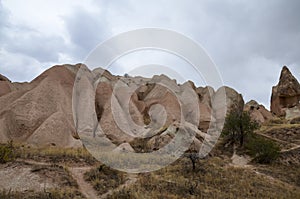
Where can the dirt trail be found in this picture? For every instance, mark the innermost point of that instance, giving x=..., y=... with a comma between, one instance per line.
x=84, y=187
x=291, y=149
x=276, y=139
x=34, y=162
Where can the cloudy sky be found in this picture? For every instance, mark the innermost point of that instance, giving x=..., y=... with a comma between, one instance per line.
x=248, y=40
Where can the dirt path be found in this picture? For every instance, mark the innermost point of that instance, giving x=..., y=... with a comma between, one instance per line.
x=34, y=162
x=84, y=187
x=131, y=179
x=276, y=139
x=291, y=149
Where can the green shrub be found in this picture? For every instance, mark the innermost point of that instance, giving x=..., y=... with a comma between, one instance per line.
x=264, y=151
x=6, y=152
x=238, y=126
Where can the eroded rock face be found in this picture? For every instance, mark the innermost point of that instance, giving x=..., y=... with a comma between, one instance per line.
x=286, y=95
x=39, y=113
x=234, y=100
x=258, y=112
x=5, y=85
x=3, y=78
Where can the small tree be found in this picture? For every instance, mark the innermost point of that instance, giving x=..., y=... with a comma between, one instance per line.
x=194, y=157
x=237, y=126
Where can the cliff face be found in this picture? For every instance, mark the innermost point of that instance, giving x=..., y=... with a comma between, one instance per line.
x=39, y=113
x=286, y=95
x=258, y=112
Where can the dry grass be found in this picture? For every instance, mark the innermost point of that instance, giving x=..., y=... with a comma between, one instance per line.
x=286, y=135
x=213, y=178
x=56, y=155
x=104, y=179
x=271, y=127
x=49, y=194
x=285, y=173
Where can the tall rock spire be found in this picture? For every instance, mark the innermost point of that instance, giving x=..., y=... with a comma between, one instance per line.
x=286, y=94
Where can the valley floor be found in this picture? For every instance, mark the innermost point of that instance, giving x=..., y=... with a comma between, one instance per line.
x=215, y=177
x=57, y=173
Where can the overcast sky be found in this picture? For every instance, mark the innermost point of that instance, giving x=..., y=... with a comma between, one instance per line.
x=248, y=40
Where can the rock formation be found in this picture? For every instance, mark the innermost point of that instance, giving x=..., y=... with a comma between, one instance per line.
x=258, y=112
x=5, y=85
x=286, y=95
x=39, y=113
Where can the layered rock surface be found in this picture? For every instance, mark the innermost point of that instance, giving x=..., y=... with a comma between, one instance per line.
x=286, y=96
x=5, y=85
x=258, y=112
x=39, y=113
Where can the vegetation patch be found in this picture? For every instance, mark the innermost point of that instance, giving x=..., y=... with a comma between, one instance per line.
x=263, y=150
x=56, y=155
x=282, y=172
x=6, y=152
x=104, y=179
x=213, y=178
x=49, y=194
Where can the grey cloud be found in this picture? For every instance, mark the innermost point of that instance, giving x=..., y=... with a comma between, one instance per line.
x=34, y=44
x=24, y=40
x=249, y=40
x=237, y=32
x=3, y=22
x=86, y=30
x=18, y=67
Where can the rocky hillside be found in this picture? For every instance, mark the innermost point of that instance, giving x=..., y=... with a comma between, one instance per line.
x=39, y=113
